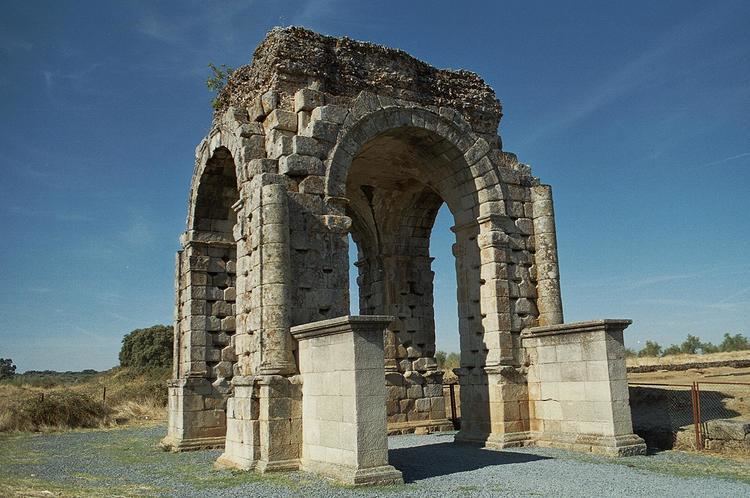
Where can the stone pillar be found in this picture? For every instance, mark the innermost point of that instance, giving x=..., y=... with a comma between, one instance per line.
x=494, y=252
x=578, y=387
x=275, y=280
x=549, y=301
x=202, y=362
x=343, y=404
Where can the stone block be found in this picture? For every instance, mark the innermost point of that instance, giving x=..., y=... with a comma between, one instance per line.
x=332, y=113
x=312, y=184
x=281, y=120
x=422, y=405
x=307, y=99
x=269, y=101
x=307, y=146
x=297, y=165
x=322, y=130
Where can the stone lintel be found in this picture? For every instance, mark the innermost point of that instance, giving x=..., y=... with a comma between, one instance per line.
x=605, y=325
x=341, y=325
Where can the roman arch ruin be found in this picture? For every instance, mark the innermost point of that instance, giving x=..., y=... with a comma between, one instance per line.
x=320, y=138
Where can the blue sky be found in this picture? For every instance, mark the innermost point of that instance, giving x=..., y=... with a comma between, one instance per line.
x=637, y=113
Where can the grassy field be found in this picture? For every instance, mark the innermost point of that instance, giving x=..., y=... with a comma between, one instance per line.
x=50, y=402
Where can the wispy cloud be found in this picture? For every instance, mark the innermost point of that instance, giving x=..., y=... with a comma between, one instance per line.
x=633, y=74
x=726, y=160
x=53, y=215
x=163, y=31
x=139, y=232
x=312, y=12
x=15, y=45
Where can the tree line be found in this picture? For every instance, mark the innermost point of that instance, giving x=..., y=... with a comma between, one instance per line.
x=693, y=345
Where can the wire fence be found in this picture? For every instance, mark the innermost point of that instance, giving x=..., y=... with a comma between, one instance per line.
x=698, y=416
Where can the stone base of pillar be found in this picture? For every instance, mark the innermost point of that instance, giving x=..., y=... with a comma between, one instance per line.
x=264, y=425
x=201, y=443
x=373, y=476
x=242, y=447
x=497, y=441
x=197, y=419
x=616, y=446
x=420, y=427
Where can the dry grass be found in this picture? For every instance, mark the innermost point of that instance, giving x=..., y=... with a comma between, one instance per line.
x=131, y=397
x=678, y=359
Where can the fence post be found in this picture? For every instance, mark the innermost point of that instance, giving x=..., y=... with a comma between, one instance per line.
x=698, y=411
x=695, y=398
x=104, y=395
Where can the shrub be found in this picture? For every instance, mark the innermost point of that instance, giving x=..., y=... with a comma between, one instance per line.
x=59, y=410
x=736, y=342
x=218, y=80
x=147, y=348
x=691, y=345
x=650, y=349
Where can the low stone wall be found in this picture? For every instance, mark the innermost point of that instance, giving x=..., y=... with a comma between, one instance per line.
x=728, y=435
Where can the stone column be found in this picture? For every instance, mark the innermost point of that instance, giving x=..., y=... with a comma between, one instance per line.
x=549, y=301
x=277, y=346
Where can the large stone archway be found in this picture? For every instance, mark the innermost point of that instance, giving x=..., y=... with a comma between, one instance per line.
x=321, y=138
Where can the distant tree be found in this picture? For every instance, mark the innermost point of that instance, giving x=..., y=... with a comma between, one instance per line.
x=147, y=348
x=736, y=342
x=691, y=345
x=630, y=353
x=673, y=349
x=218, y=80
x=440, y=358
x=650, y=349
x=447, y=361
x=709, y=347
x=7, y=368
x=453, y=360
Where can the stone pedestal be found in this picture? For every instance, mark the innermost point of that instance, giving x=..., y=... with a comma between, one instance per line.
x=343, y=399
x=578, y=388
x=196, y=415
x=264, y=424
x=499, y=417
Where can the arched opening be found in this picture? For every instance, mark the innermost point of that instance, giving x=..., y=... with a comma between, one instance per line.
x=396, y=185
x=211, y=238
x=205, y=309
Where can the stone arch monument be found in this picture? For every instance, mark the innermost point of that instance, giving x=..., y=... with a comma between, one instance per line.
x=320, y=138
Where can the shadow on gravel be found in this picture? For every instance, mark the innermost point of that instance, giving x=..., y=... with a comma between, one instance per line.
x=432, y=460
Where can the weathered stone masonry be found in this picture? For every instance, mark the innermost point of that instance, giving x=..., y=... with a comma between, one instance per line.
x=320, y=138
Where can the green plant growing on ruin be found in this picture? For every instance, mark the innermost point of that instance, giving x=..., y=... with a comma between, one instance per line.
x=218, y=80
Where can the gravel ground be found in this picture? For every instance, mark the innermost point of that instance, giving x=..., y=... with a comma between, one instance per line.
x=126, y=462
